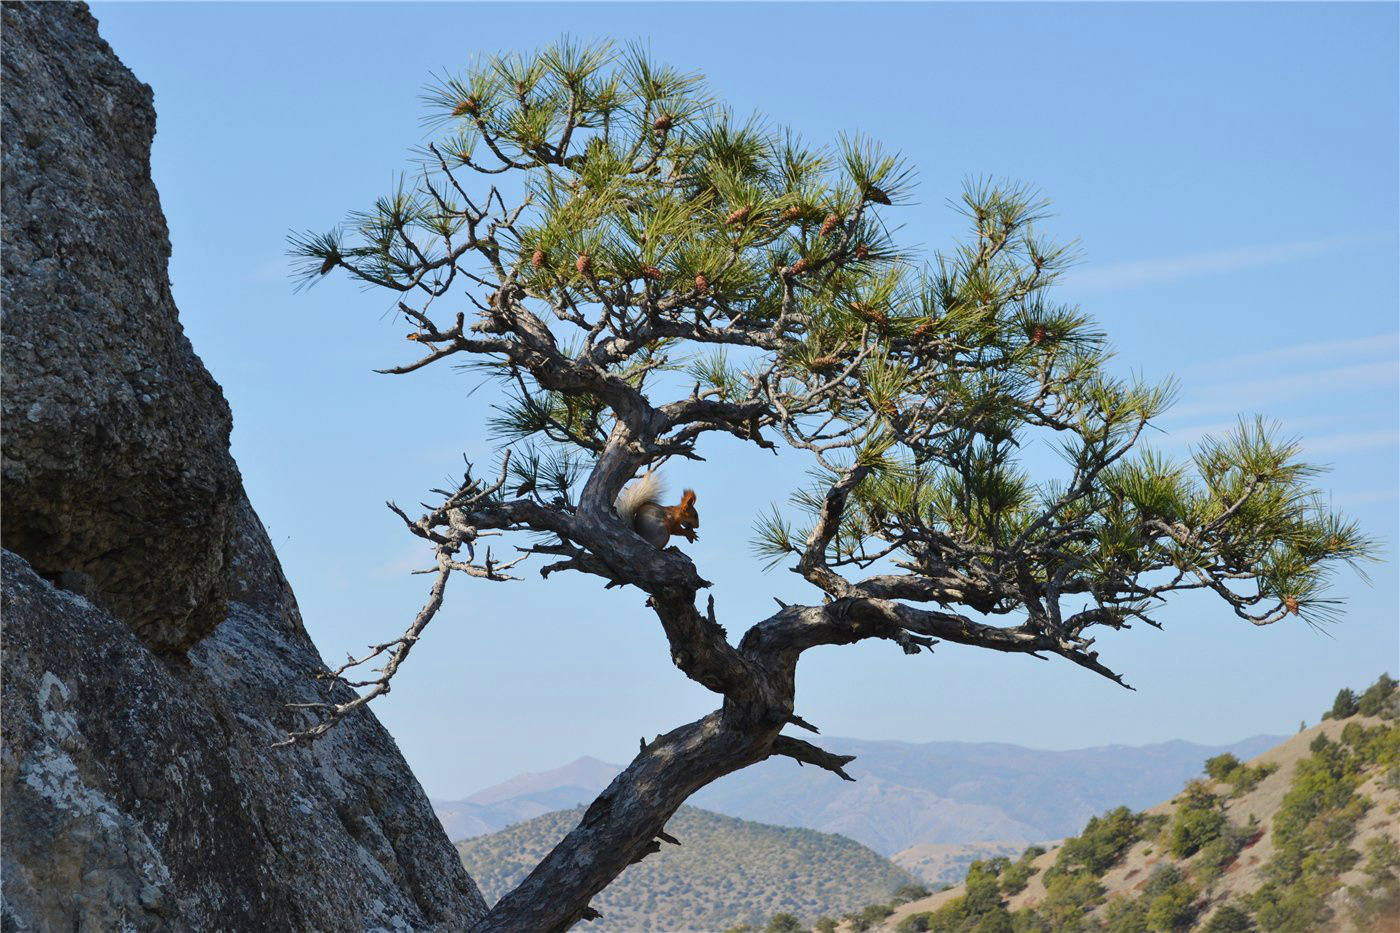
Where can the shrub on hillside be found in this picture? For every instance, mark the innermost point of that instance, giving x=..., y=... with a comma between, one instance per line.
x=981, y=889
x=868, y=918
x=1229, y=919
x=1199, y=820
x=1125, y=915
x=909, y=892
x=1103, y=841
x=1069, y=899
x=1017, y=875
x=1221, y=851
x=1380, y=699
x=1371, y=904
x=1169, y=898
x=1313, y=826
x=785, y=923
x=996, y=921
x=1221, y=767
x=1230, y=770
x=915, y=923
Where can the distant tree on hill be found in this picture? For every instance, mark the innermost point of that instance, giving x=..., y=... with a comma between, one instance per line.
x=640, y=271
x=1222, y=767
x=910, y=892
x=1345, y=705
x=1199, y=820
x=1228, y=919
x=785, y=923
x=1380, y=699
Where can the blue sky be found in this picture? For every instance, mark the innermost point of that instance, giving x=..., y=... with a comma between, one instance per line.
x=1229, y=170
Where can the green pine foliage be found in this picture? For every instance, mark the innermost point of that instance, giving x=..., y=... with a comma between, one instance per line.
x=651, y=224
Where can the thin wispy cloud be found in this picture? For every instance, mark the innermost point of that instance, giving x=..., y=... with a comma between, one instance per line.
x=1122, y=276
x=273, y=271
x=1366, y=497
x=1322, y=352
x=1353, y=440
x=1267, y=393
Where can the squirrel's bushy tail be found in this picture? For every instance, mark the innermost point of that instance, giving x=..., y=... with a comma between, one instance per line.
x=645, y=491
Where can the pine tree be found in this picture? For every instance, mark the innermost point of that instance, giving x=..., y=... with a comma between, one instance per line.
x=1345, y=705
x=641, y=270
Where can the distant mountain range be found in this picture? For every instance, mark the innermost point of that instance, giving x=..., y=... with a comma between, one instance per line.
x=524, y=797
x=905, y=795
x=725, y=871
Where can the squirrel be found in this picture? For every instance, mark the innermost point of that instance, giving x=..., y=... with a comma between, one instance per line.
x=640, y=509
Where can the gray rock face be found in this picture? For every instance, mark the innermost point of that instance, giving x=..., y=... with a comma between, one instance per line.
x=117, y=480
x=142, y=795
x=151, y=642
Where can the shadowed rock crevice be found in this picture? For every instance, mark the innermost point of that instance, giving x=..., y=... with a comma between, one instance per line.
x=151, y=642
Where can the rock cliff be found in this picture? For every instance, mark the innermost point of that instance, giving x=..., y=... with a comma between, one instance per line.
x=151, y=642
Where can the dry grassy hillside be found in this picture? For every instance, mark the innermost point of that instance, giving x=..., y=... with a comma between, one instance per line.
x=1304, y=838
x=725, y=871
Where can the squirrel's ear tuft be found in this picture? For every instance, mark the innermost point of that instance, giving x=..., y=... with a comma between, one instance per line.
x=688, y=498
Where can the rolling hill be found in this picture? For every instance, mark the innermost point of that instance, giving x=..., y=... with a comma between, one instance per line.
x=725, y=871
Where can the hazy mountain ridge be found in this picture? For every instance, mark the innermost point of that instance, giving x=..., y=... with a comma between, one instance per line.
x=905, y=794
x=724, y=872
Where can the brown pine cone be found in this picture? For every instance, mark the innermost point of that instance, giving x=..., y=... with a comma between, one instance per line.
x=791, y=214
x=798, y=267
x=738, y=216
x=651, y=272
x=1038, y=335
x=829, y=224
x=663, y=123
x=862, y=252
x=583, y=264
x=702, y=283
x=466, y=106
x=1291, y=604
x=537, y=259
